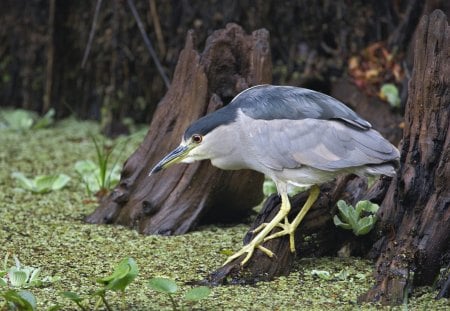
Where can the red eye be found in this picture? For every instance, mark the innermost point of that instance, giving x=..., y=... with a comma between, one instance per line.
x=196, y=138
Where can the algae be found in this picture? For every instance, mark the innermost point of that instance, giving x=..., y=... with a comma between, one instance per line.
x=47, y=231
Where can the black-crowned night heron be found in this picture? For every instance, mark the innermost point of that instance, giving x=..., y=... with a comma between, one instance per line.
x=293, y=135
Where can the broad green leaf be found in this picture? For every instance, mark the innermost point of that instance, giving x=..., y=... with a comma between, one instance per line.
x=163, y=285
x=3, y=282
x=325, y=275
x=60, y=182
x=367, y=206
x=34, y=277
x=390, y=92
x=365, y=224
x=85, y=166
x=343, y=209
x=29, y=297
x=44, y=183
x=72, y=296
x=124, y=273
x=338, y=223
x=18, y=119
x=23, y=181
x=17, y=277
x=20, y=302
x=197, y=293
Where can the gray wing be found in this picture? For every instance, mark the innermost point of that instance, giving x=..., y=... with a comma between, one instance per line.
x=326, y=145
x=270, y=102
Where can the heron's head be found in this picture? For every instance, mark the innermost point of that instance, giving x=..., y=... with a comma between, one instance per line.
x=204, y=139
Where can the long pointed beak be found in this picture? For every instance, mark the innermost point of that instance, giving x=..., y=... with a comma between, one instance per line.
x=173, y=157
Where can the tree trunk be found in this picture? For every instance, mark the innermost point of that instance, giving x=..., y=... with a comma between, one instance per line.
x=175, y=200
x=414, y=212
x=417, y=204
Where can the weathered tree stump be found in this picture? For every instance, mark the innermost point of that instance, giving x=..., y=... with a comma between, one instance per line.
x=416, y=208
x=175, y=200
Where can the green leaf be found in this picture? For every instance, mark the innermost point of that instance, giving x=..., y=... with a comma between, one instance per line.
x=85, y=166
x=367, y=206
x=46, y=120
x=365, y=224
x=54, y=308
x=72, y=296
x=3, y=282
x=44, y=183
x=24, y=182
x=390, y=92
x=325, y=275
x=343, y=210
x=342, y=275
x=22, y=300
x=163, y=285
x=124, y=273
x=60, y=181
x=18, y=119
x=41, y=183
x=197, y=293
x=338, y=223
x=17, y=277
x=29, y=297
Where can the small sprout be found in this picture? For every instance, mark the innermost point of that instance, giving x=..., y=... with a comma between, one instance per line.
x=97, y=177
x=124, y=273
x=21, y=276
x=389, y=92
x=350, y=217
x=75, y=298
x=169, y=287
x=41, y=183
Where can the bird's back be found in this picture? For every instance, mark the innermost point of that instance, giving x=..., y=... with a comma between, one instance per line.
x=289, y=128
x=270, y=102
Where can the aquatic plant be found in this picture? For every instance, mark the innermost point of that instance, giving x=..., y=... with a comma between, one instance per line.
x=169, y=287
x=96, y=177
x=20, y=275
x=124, y=273
x=41, y=183
x=23, y=120
x=351, y=217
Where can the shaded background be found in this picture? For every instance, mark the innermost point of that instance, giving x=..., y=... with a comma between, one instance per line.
x=42, y=43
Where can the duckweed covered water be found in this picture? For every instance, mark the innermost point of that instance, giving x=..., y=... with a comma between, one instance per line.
x=48, y=231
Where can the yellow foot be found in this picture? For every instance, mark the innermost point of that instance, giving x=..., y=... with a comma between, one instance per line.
x=287, y=228
x=249, y=249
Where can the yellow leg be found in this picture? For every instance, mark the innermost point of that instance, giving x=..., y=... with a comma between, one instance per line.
x=263, y=232
x=289, y=228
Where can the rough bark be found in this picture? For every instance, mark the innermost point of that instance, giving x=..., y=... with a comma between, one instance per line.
x=175, y=200
x=416, y=208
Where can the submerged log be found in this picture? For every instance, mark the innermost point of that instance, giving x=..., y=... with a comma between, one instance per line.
x=176, y=200
x=416, y=209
